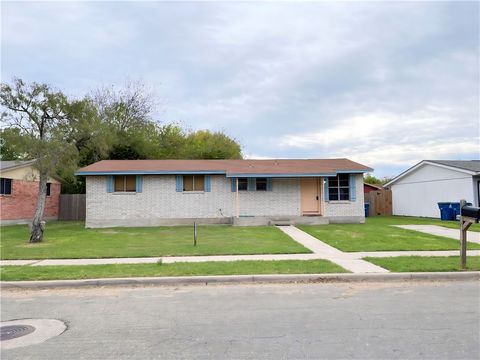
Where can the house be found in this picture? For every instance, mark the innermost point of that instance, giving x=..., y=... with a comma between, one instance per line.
x=239, y=192
x=416, y=191
x=19, y=192
x=371, y=187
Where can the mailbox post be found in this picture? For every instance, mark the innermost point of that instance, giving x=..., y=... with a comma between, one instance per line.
x=468, y=216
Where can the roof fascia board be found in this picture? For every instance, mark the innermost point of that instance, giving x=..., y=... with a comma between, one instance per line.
x=332, y=174
x=354, y=171
x=219, y=172
x=143, y=172
x=236, y=175
x=18, y=166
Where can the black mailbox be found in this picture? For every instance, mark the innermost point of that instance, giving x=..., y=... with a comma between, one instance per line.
x=471, y=212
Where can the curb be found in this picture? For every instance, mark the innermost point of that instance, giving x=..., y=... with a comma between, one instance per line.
x=237, y=279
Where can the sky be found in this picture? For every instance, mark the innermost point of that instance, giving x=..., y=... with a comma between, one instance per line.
x=386, y=84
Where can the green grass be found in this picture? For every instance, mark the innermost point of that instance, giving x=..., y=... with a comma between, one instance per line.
x=13, y=273
x=425, y=263
x=377, y=235
x=72, y=240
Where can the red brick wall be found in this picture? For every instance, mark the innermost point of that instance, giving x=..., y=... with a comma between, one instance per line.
x=23, y=200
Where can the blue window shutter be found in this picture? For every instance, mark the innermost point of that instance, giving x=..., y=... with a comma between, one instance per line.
x=207, y=183
x=138, y=183
x=269, y=184
x=179, y=183
x=325, y=189
x=251, y=184
x=233, y=184
x=353, y=188
x=109, y=183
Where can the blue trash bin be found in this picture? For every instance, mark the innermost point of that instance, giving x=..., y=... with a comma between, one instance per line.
x=456, y=209
x=367, y=209
x=446, y=212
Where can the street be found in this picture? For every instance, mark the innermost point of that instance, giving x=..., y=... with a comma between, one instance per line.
x=415, y=320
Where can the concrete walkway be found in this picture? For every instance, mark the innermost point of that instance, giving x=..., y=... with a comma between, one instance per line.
x=175, y=259
x=412, y=253
x=328, y=252
x=472, y=236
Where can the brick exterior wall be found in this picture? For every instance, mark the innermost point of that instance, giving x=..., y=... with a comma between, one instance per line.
x=348, y=208
x=283, y=200
x=159, y=200
x=21, y=204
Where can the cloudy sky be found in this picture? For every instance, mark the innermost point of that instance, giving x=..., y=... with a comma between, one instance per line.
x=384, y=84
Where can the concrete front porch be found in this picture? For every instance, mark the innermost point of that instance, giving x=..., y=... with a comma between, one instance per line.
x=279, y=220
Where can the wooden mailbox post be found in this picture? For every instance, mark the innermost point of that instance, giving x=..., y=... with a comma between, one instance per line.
x=468, y=216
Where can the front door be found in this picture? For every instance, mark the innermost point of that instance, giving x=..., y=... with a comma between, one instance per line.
x=310, y=194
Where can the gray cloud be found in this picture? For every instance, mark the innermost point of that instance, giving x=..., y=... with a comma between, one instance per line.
x=387, y=84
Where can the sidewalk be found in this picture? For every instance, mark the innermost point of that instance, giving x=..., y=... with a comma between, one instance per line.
x=472, y=236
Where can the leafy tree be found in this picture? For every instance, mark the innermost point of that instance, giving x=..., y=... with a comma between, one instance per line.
x=40, y=117
x=204, y=144
x=9, y=149
x=370, y=179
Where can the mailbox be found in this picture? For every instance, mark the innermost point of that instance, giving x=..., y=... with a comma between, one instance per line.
x=471, y=212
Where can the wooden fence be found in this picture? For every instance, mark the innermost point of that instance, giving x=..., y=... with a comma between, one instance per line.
x=72, y=207
x=380, y=202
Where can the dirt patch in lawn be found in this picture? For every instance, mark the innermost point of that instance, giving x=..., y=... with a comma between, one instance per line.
x=109, y=232
x=34, y=245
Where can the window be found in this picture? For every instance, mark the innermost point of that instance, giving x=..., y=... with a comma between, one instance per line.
x=6, y=186
x=261, y=184
x=339, y=187
x=49, y=189
x=242, y=184
x=126, y=183
x=194, y=183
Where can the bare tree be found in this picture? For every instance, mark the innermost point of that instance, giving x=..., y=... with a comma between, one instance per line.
x=41, y=116
x=125, y=108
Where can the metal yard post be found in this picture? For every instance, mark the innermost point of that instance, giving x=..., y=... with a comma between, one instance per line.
x=463, y=238
x=194, y=233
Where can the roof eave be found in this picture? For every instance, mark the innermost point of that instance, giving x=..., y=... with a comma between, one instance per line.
x=215, y=172
x=427, y=162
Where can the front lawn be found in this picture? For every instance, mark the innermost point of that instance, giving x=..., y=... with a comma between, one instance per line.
x=425, y=263
x=18, y=273
x=70, y=240
x=377, y=234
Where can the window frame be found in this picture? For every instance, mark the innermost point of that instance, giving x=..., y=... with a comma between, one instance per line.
x=338, y=188
x=49, y=189
x=263, y=181
x=124, y=190
x=3, y=182
x=245, y=182
x=193, y=183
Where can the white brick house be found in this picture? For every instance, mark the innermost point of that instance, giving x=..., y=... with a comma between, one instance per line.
x=242, y=192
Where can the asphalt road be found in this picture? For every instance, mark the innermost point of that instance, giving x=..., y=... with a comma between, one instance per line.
x=421, y=320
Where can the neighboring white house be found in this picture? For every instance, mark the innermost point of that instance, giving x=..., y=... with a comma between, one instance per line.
x=418, y=190
x=242, y=192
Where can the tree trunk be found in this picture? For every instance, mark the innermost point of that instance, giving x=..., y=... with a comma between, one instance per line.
x=37, y=226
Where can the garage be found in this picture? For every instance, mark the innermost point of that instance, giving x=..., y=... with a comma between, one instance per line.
x=416, y=191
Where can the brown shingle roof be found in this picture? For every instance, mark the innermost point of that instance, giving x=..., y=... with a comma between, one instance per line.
x=229, y=167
